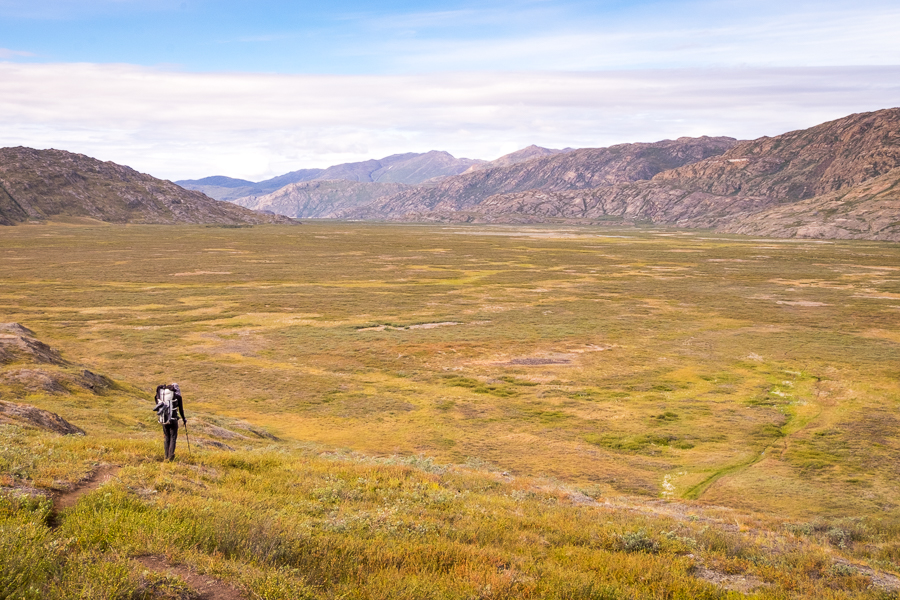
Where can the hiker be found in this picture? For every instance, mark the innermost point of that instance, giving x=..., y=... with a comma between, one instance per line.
x=168, y=405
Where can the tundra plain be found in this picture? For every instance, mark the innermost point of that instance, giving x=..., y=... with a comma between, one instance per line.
x=684, y=401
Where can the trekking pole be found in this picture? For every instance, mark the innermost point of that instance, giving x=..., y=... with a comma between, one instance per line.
x=187, y=436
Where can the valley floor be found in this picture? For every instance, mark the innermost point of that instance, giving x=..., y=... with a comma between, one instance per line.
x=413, y=411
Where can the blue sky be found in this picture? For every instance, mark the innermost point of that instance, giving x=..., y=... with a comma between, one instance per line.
x=187, y=88
x=401, y=37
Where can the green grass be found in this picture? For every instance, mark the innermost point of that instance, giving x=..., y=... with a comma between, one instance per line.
x=752, y=374
x=283, y=522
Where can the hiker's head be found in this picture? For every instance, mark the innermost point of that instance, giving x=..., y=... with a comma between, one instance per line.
x=177, y=389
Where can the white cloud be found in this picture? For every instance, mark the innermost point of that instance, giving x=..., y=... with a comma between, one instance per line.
x=184, y=125
x=569, y=36
x=6, y=53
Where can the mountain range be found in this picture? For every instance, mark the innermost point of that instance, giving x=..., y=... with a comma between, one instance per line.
x=836, y=180
x=586, y=168
x=410, y=168
x=840, y=179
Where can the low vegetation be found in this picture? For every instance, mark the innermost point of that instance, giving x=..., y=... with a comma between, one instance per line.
x=453, y=412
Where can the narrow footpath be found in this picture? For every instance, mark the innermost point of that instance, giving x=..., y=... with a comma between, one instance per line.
x=206, y=588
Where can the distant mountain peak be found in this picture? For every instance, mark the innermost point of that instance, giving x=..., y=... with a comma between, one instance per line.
x=519, y=156
x=408, y=168
x=217, y=180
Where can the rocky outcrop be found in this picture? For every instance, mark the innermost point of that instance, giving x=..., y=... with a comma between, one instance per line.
x=642, y=201
x=869, y=211
x=580, y=169
x=320, y=199
x=38, y=417
x=18, y=344
x=37, y=185
x=28, y=365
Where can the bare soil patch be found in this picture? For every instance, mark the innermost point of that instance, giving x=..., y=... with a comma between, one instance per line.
x=206, y=587
x=535, y=361
x=94, y=480
x=737, y=583
x=201, y=273
x=23, y=491
x=881, y=580
x=801, y=303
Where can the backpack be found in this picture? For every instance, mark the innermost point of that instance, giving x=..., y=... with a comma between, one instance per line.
x=165, y=404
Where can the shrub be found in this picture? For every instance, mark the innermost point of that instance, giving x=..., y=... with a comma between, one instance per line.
x=27, y=552
x=637, y=541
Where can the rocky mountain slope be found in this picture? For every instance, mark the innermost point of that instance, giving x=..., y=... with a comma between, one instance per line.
x=870, y=210
x=350, y=185
x=410, y=168
x=519, y=156
x=43, y=184
x=320, y=199
x=580, y=169
x=836, y=180
x=800, y=164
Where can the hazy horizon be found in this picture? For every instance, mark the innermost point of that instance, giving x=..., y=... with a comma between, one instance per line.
x=189, y=89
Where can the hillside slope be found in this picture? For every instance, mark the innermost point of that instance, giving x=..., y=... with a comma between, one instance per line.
x=870, y=210
x=835, y=180
x=320, y=199
x=519, y=156
x=229, y=188
x=43, y=184
x=800, y=164
x=410, y=168
x=579, y=169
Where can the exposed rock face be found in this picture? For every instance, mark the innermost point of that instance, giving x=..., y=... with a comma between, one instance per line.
x=320, y=199
x=837, y=180
x=38, y=417
x=640, y=201
x=800, y=164
x=28, y=365
x=579, y=169
x=870, y=211
x=17, y=344
x=42, y=184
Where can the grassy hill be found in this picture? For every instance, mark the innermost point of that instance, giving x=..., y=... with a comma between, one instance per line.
x=408, y=411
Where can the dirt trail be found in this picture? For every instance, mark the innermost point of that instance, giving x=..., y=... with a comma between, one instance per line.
x=207, y=587
x=91, y=482
x=744, y=584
